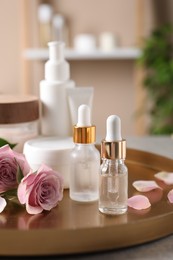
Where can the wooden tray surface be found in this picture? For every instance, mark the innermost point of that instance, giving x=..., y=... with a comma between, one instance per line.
x=80, y=228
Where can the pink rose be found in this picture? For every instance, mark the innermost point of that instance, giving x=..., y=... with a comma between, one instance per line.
x=10, y=161
x=40, y=191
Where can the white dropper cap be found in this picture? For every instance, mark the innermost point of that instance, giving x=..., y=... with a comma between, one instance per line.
x=113, y=129
x=84, y=116
x=57, y=68
x=84, y=131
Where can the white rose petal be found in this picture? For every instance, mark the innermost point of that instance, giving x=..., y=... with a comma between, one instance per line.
x=166, y=177
x=170, y=196
x=3, y=204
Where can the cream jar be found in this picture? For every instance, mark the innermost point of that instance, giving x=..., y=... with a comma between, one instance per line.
x=18, y=119
x=52, y=151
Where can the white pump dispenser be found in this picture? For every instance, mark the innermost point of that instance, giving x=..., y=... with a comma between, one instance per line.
x=57, y=68
x=55, y=117
x=113, y=191
x=85, y=159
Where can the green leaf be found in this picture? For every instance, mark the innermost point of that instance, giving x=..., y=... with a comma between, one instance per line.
x=9, y=194
x=4, y=142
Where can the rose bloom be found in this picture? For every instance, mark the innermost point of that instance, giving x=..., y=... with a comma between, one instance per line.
x=10, y=161
x=41, y=190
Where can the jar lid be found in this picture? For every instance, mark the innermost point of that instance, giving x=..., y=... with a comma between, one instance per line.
x=52, y=151
x=18, y=109
x=48, y=150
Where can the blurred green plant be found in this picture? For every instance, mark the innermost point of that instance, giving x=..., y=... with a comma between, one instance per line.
x=157, y=60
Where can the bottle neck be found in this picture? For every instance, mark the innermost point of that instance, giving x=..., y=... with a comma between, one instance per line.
x=112, y=162
x=112, y=167
x=89, y=144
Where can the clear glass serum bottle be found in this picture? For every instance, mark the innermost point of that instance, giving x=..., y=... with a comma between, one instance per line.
x=85, y=160
x=113, y=187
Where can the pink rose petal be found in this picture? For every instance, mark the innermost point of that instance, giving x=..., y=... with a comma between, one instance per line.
x=166, y=177
x=139, y=202
x=144, y=186
x=33, y=210
x=3, y=204
x=170, y=196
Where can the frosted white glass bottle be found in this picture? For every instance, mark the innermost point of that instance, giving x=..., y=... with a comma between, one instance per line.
x=55, y=116
x=113, y=189
x=85, y=160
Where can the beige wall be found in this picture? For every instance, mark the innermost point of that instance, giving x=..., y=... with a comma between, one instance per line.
x=97, y=16
x=10, y=46
x=117, y=83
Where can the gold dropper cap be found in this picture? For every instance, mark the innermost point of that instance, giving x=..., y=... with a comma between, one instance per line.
x=113, y=150
x=84, y=135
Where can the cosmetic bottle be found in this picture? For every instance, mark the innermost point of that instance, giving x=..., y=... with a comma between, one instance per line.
x=60, y=29
x=55, y=116
x=113, y=188
x=45, y=13
x=85, y=159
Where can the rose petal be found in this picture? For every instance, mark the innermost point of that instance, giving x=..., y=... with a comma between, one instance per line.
x=21, y=160
x=6, y=149
x=3, y=204
x=33, y=210
x=44, y=168
x=21, y=193
x=170, y=196
x=139, y=202
x=144, y=186
x=166, y=177
x=29, y=178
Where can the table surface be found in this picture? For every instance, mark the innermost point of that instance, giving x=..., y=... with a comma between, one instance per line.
x=158, y=249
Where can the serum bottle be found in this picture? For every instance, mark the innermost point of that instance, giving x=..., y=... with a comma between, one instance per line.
x=85, y=159
x=113, y=189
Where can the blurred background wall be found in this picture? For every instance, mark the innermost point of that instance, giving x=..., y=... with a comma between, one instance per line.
x=117, y=83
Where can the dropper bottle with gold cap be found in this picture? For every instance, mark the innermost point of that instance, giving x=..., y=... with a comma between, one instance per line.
x=113, y=189
x=85, y=159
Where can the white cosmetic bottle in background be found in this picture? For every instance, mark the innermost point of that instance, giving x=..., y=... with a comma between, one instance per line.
x=55, y=117
x=45, y=13
x=60, y=29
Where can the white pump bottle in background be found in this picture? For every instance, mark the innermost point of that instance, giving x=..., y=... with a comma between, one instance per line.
x=55, y=117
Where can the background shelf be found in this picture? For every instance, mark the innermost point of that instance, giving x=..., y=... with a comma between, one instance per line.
x=71, y=54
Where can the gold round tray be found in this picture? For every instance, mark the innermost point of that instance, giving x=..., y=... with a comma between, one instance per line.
x=79, y=228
